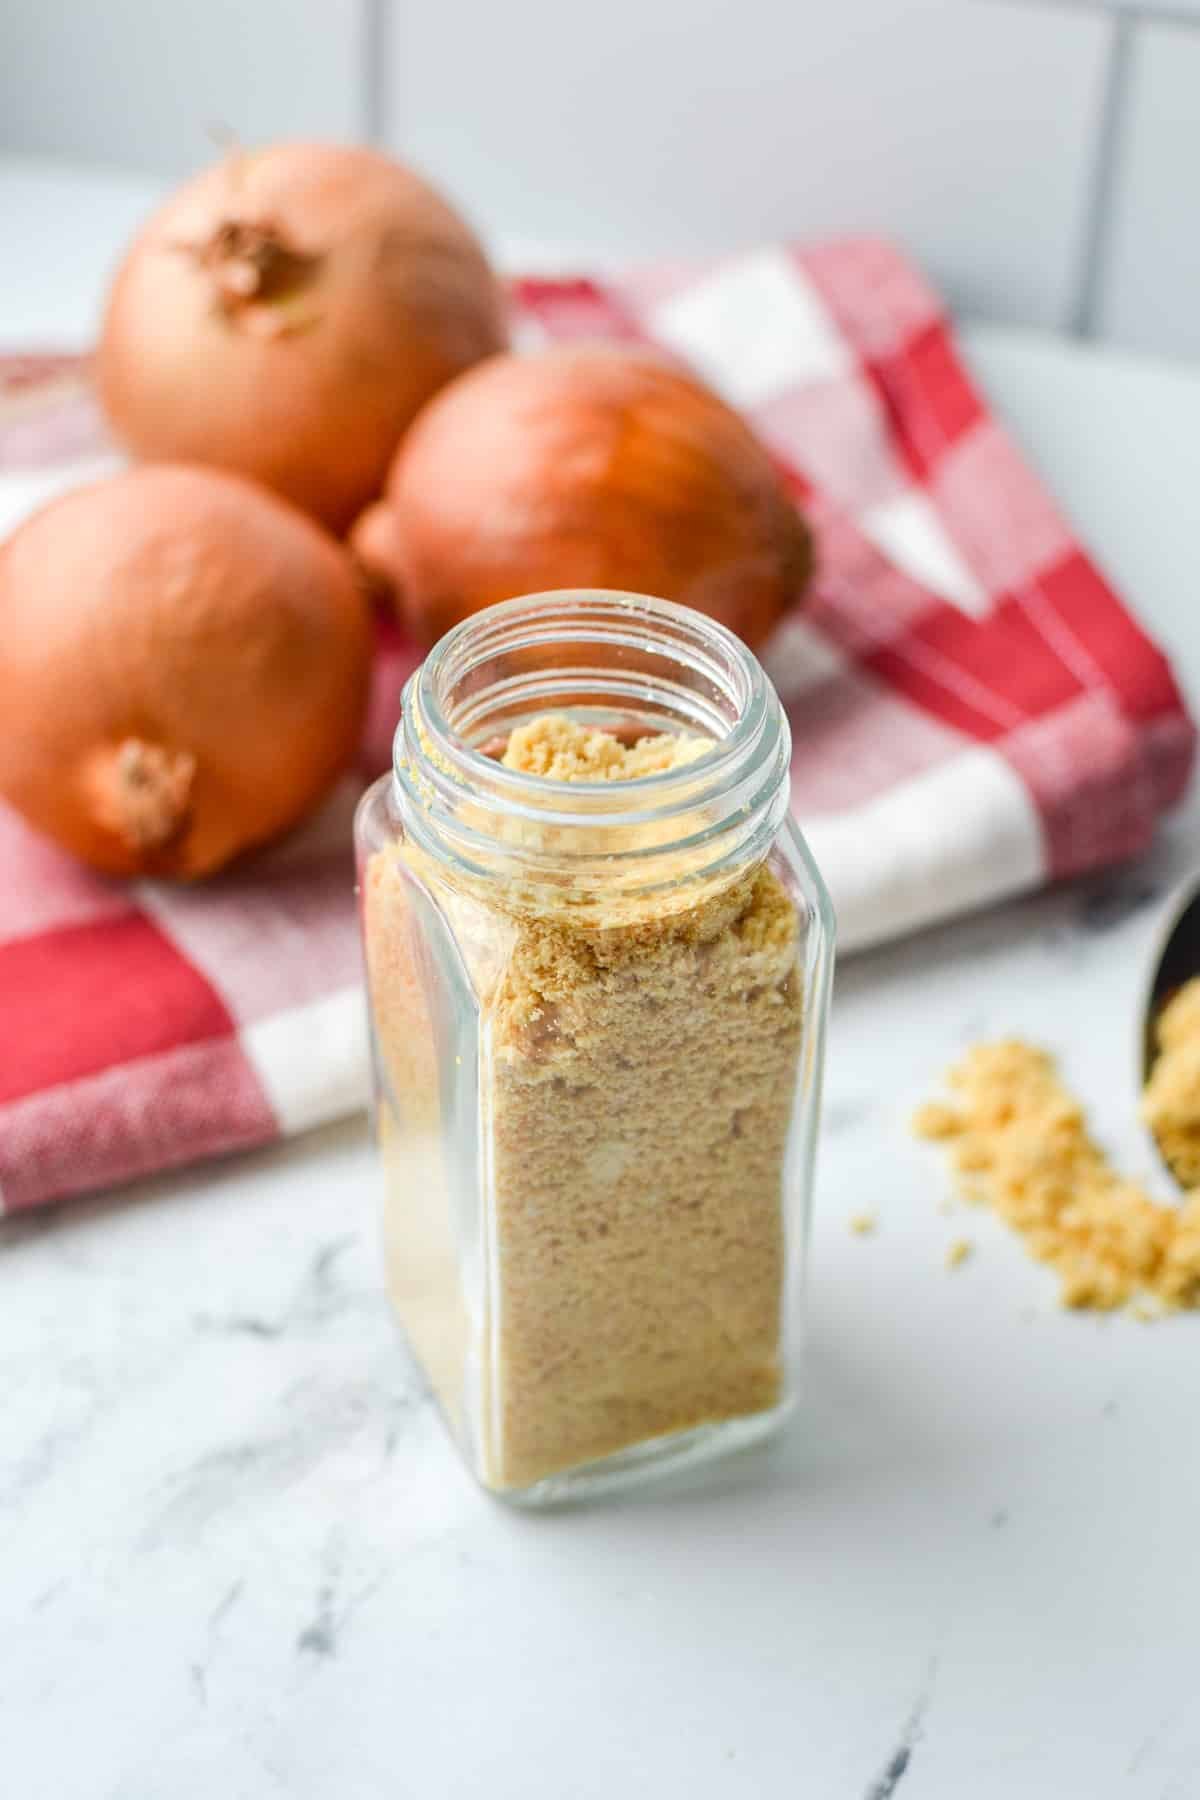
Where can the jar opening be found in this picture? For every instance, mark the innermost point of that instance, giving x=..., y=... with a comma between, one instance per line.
x=613, y=661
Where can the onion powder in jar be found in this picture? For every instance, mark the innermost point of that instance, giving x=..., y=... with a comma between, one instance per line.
x=598, y=956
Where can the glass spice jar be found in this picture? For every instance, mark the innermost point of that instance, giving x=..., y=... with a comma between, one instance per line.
x=598, y=958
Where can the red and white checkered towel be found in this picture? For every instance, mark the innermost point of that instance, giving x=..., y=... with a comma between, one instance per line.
x=974, y=712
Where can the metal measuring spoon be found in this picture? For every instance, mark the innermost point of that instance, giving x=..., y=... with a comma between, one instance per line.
x=1174, y=959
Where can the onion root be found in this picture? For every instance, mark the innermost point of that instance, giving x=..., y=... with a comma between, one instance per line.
x=143, y=792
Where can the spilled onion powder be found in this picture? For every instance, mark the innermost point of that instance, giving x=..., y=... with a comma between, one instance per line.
x=1018, y=1142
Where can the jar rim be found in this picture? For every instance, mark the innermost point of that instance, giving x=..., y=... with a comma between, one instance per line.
x=490, y=632
x=738, y=787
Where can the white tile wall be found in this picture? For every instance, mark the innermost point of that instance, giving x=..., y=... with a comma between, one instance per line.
x=964, y=130
x=143, y=82
x=1150, y=287
x=973, y=130
x=1177, y=11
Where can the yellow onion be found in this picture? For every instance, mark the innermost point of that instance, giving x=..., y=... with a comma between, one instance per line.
x=584, y=466
x=286, y=314
x=183, y=669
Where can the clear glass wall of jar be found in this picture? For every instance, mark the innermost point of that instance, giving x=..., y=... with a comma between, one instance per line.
x=598, y=1011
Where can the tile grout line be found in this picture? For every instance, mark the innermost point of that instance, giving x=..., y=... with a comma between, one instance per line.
x=374, y=98
x=1110, y=143
x=1143, y=12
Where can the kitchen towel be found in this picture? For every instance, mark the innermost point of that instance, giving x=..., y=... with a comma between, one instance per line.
x=974, y=712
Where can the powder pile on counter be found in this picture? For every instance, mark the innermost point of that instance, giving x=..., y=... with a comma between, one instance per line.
x=1019, y=1143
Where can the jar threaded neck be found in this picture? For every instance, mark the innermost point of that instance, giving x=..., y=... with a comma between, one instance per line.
x=607, y=658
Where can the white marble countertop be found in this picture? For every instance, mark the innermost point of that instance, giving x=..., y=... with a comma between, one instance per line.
x=238, y=1557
